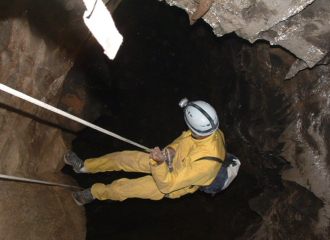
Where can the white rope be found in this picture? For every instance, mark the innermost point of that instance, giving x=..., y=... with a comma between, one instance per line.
x=36, y=181
x=58, y=111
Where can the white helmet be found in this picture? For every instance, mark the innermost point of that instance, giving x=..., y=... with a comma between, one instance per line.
x=200, y=117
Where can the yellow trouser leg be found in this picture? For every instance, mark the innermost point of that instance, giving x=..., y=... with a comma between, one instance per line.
x=144, y=187
x=129, y=161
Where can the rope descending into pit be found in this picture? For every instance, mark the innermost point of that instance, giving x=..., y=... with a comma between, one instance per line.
x=60, y=112
x=36, y=181
x=65, y=114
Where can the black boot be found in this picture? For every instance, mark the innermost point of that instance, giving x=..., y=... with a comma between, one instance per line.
x=83, y=197
x=72, y=159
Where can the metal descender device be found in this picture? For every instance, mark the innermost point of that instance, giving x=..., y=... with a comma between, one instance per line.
x=168, y=159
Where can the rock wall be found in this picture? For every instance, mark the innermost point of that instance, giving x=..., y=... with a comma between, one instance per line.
x=300, y=26
x=35, y=60
x=282, y=127
x=279, y=126
x=41, y=41
x=279, y=120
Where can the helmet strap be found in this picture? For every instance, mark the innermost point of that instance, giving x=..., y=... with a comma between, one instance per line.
x=204, y=112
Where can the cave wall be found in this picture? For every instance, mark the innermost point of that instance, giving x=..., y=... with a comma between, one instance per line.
x=300, y=26
x=279, y=108
x=282, y=126
x=35, y=60
x=42, y=47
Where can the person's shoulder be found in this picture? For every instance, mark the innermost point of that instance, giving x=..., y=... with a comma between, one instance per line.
x=219, y=133
x=217, y=137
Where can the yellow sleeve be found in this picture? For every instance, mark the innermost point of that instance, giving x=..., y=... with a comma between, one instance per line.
x=190, y=175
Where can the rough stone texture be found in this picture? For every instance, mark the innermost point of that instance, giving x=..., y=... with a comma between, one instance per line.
x=79, y=95
x=300, y=26
x=32, y=211
x=289, y=117
x=280, y=127
x=304, y=34
x=283, y=120
x=39, y=44
x=307, y=141
x=35, y=59
x=26, y=133
x=295, y=208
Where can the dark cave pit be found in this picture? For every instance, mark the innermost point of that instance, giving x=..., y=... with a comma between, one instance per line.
x=273, y=109
x=162, y=60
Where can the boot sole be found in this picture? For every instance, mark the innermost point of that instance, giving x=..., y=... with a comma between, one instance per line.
x=78, y=203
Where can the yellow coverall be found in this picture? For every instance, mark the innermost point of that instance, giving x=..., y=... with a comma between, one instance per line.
x=186, y=177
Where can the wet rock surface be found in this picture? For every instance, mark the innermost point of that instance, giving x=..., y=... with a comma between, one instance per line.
x=32, y=211
x=273, y=109
x=299, y=26
x=35, y=59
x=296, y=208
x=284, y=121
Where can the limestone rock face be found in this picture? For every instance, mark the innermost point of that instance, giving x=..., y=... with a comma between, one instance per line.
x=31, y=211
x=280, y=120
x=300, y=215
x=283, y=121
x=306, y=139
x=24, y=123
x=301, y=26
x=280, y=128
x=35, y=60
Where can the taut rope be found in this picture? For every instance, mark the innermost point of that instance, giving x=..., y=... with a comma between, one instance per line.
x=65, y=114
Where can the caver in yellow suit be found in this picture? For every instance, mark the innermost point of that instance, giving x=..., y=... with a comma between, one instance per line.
x=185, y=178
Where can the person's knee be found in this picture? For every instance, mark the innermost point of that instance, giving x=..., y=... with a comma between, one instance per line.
x=124, y=188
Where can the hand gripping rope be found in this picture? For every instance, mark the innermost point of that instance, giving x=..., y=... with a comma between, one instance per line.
x=60, y=112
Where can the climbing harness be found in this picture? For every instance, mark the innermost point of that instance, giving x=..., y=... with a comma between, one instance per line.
x=168, y=159
x=60, y=112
